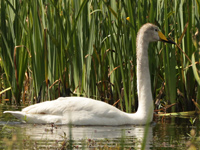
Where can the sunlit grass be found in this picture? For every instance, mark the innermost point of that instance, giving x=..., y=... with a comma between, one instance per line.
x=52, y=48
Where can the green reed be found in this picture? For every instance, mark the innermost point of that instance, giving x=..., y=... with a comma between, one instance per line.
x=88, y=48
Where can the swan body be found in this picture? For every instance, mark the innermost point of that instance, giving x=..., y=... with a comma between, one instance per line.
x=76, y=110
x=86, y=111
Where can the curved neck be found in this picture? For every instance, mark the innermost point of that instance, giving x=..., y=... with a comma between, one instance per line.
x=145, y=99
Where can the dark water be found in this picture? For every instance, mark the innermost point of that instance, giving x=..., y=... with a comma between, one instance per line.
x=167, y=133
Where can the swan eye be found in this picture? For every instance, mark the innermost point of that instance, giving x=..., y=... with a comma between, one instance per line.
x=156, y=30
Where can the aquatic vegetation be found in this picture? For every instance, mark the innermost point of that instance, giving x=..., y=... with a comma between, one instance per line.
x=87, y=48
x=194, y=138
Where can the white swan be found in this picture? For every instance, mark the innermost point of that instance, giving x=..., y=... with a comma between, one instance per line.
x=86, y=111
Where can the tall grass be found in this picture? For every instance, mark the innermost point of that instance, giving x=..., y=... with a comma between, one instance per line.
x=88, y=48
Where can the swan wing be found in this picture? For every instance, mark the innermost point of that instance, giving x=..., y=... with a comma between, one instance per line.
x=75, y=110
x=64, y=105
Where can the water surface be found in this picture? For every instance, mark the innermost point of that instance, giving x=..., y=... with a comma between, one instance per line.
x=173, y=133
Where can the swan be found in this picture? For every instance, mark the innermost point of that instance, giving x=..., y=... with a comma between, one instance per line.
x=86, y=111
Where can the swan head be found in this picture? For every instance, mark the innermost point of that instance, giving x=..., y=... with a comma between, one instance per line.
x=151, y=33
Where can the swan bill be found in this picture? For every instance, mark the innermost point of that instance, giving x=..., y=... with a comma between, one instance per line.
x=164, y=39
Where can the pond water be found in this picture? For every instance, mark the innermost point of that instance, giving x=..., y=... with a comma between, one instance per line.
x=163, y=133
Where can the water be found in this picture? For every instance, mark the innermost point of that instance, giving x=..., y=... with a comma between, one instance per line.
x=173, y=133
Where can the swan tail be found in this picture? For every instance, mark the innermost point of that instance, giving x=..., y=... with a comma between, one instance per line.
x=36, y=118
x=18, y=114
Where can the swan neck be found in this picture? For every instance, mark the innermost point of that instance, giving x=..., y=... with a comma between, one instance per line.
x=143, y=76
